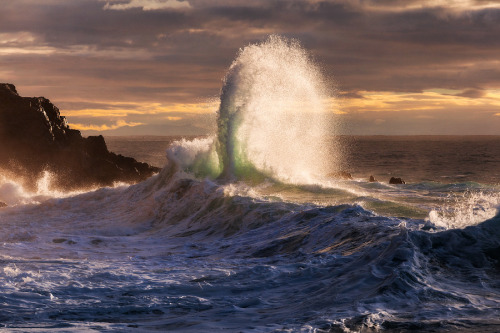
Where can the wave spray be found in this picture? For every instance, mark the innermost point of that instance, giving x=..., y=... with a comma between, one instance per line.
x=274, y=118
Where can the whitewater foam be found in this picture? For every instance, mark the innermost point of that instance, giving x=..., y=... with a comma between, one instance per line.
x=462, y=209
x=14, y=193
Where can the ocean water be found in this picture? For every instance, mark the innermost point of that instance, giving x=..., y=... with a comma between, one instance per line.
x=415, y=158
x=247, y=230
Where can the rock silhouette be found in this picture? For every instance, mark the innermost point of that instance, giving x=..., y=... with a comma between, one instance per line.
x=34, y=138
x=395, y=180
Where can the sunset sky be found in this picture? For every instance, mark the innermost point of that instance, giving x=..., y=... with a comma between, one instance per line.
x=154, y=67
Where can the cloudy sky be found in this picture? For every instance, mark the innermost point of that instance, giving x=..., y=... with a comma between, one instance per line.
x=121, y=67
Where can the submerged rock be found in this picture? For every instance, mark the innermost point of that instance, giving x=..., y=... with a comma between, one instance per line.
x=395, y=180
x=36, y=138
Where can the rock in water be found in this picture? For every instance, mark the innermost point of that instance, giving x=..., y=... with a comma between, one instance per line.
x=372, y=179
x=2, y=204
x=35, y=137
x=395, y=180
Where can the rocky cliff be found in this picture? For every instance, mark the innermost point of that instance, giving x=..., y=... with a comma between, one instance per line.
x=34, y=137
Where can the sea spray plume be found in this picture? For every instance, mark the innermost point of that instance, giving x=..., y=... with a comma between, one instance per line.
x=273, y=117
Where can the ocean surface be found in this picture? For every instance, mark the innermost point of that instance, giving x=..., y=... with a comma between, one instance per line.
x=417, y=158
x=251, y=229
x=180, y=253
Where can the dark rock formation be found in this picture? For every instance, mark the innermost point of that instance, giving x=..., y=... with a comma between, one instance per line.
x=395, y=180
x=34, y=137
x=372, y=179
x=3, y=204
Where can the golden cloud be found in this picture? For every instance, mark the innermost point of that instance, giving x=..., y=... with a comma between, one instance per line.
x=115, y=109
x=427, y=100
x=118, y=124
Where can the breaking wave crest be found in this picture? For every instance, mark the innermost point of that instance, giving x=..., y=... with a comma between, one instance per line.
x=467, y=208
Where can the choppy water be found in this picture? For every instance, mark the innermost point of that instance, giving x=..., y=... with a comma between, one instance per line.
x=221, y=240
x=179, y=253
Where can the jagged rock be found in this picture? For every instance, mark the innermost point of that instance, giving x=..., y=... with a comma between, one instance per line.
x=35, y=137
x=395, y=180
x=3, y=204
x=372, y=179
x=340, y=175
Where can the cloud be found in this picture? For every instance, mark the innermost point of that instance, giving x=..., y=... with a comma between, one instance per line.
x=449, y=4
x=350, y=94
x=155, y=57
x=104, y=127
x=16, y=38
x=418, y=102
x=149, y=5
x=145, y=118
x=471, y=93
x=117, y=109
x=26, y=50
x=151, y=124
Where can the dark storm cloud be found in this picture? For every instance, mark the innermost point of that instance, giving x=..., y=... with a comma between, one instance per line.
x=86, y=23
x=412, y=49
x=83, y=49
